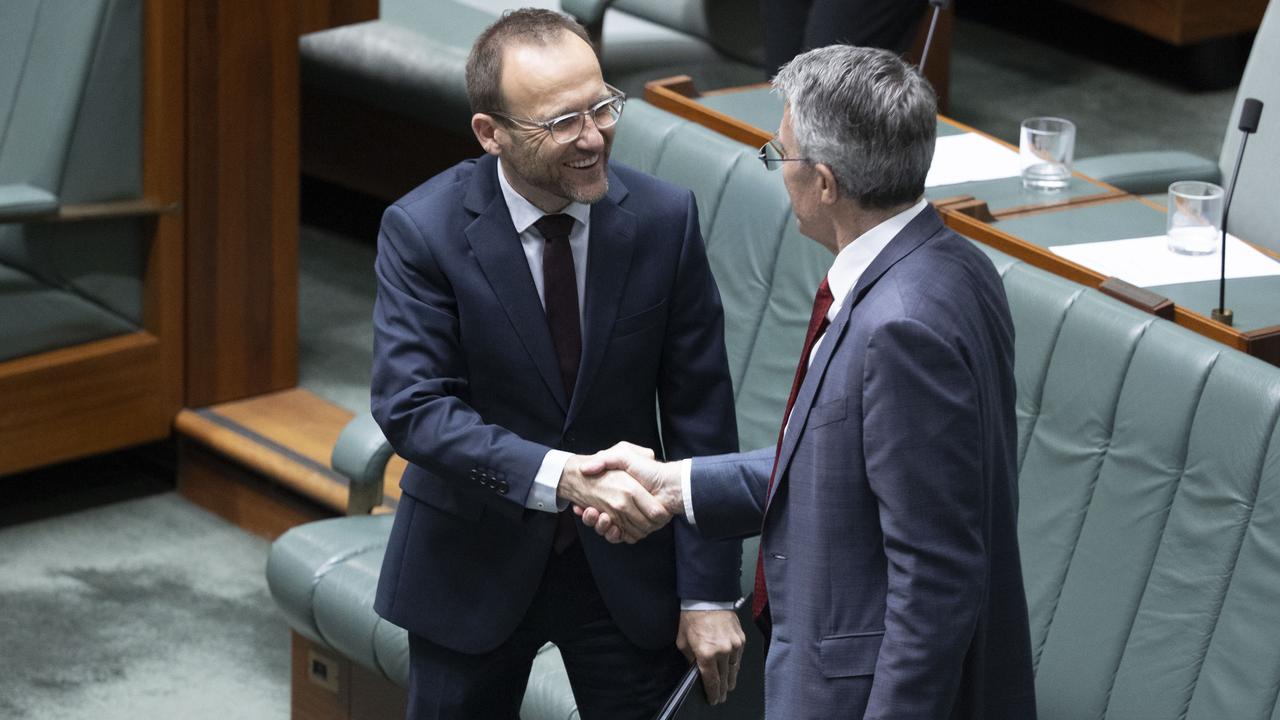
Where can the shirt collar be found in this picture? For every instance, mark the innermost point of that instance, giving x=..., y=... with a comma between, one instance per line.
x=858, y=255
x=524, y=213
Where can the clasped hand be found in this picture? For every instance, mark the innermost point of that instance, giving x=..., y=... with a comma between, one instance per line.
x=623, y=492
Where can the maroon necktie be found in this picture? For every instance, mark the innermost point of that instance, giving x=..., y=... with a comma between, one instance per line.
x=560, y=298
x=818, y=323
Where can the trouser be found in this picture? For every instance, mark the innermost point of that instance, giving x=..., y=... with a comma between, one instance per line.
x=612, y=678
x=793, y=26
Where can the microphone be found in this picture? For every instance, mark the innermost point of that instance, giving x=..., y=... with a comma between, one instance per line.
x=938, y=5
x=1250, y=114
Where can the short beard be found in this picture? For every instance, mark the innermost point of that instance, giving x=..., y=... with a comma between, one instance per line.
x=585, y=198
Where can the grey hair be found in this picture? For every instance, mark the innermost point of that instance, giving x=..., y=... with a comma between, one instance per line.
x=867, y=115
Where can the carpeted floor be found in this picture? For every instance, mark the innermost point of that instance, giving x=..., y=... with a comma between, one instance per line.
x=144, y=608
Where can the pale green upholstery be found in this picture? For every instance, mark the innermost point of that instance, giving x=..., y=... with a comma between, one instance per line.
x=1149, y=471
x=411, y=60
x=1255, y=215
x=70, y=132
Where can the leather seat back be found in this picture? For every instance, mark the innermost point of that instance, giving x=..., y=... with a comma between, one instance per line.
x=1149, y=473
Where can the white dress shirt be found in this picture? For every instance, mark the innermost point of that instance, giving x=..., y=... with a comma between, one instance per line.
x=850, y=263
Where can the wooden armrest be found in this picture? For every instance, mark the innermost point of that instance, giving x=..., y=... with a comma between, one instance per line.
x=141, y=207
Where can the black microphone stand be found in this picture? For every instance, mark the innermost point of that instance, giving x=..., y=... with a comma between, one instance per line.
x=938, y=5
x=1250, y=114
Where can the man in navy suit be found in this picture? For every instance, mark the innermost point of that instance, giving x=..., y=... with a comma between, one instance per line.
x=889, y=565
x=536, y=305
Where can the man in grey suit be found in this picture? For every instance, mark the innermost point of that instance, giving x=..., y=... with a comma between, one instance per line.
x=889, y=567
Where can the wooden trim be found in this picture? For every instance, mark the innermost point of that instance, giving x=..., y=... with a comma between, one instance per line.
x=667, y=94
x=1029, y=253
x=230, y=441
x=286, y=438
x=1141, y=298
x=141, y=208
x=163, y=151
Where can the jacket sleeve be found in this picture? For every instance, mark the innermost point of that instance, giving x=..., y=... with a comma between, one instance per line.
x=923, y=445
x=419, y=380
x=695, y=401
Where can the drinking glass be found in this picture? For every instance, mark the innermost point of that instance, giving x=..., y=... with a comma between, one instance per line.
x=1195, y=217
x=1045, y=147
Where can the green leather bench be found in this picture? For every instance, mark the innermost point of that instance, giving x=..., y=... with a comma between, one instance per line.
x=1149, y=468
x=70, y=133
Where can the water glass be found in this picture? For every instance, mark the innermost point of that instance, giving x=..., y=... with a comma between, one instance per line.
x=1195, y=217
x=1045, y=147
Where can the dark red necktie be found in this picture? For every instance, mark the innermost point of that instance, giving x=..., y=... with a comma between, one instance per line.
x=818, y=323
x=560, y=298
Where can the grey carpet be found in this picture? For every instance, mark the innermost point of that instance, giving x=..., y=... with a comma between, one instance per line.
x=998, y=79
x=147, y=608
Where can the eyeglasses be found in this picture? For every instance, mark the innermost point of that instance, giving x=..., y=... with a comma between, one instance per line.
x=772, y=156
x=568, y=127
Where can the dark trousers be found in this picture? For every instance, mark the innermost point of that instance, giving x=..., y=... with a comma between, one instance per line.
x=612, y=678
x=793, y=26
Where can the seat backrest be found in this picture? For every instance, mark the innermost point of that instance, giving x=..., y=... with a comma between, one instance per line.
x=1255, y=215
x=71, y=123
x=733, y=27
x=1149, y=523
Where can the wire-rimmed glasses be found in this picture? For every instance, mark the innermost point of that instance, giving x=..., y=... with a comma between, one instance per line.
x=772, y=156
x=568, y=127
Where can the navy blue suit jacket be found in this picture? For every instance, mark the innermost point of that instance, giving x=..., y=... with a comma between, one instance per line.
x=466, y=388
x=890, y=540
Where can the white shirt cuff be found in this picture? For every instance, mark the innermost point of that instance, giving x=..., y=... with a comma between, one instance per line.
x=542, y=494
x=686, y=605
x=686, y=487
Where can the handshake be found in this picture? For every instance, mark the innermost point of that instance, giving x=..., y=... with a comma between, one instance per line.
x=623, y=492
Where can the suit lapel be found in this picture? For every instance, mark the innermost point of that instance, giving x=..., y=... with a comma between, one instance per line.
x=497, y=249
x=613, y=231
x=921, y=228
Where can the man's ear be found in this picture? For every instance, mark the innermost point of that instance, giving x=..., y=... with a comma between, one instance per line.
x=486, y=130
x=829, y=188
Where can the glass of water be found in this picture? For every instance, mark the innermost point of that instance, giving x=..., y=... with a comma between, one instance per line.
x=1045, y=147
x=1195, y=217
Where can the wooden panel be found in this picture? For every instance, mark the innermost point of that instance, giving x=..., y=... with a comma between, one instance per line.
x=240, y=496
x=312, y=700
x=242, y=209
x=1180, y=22
x=80, y=401
x=324, y=14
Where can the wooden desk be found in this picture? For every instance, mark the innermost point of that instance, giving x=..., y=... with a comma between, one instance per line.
x=1022, y=224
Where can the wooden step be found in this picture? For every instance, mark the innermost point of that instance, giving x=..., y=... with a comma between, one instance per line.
x=263, y=462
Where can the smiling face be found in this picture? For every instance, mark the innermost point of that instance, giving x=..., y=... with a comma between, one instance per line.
x=540, y=82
